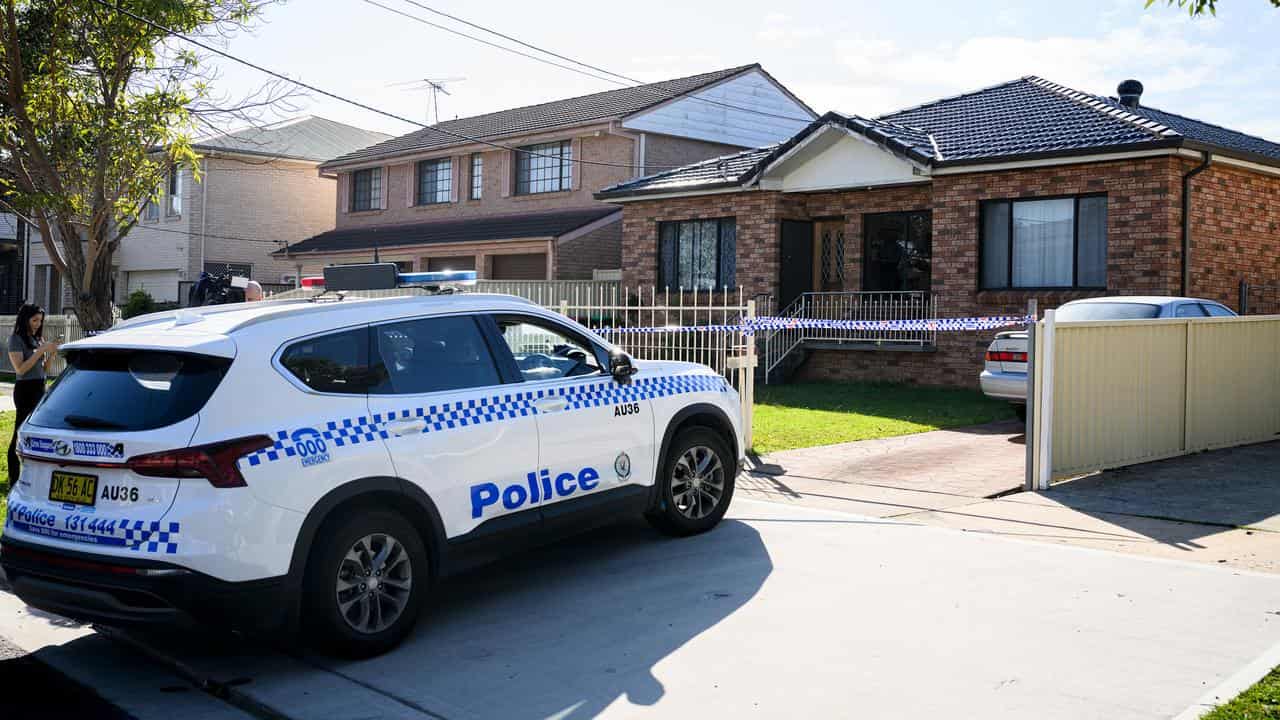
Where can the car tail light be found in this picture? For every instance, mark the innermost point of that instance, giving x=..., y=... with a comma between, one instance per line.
x=215, y=462
x=1006, y=356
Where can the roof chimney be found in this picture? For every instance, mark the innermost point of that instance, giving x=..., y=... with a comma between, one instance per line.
x=1130, y=91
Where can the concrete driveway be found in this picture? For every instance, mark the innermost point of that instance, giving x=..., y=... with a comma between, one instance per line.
x=788, y=611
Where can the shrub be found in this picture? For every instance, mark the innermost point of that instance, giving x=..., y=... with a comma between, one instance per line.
x=139, y=303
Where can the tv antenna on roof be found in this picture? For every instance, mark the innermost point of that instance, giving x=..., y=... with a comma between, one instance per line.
x=435, y=86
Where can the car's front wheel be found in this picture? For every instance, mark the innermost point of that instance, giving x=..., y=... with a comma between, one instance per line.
x=695, y=485
x=366, y=582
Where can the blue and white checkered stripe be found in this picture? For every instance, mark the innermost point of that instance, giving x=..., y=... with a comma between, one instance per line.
x=488, y=409
x=755, y=325
x=147, y=536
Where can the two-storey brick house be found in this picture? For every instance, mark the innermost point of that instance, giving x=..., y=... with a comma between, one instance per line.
x=258, y=191
x=1023, y=190
x=510, y=194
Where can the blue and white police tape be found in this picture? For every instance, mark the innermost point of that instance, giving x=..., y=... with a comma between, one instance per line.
x=782, y=323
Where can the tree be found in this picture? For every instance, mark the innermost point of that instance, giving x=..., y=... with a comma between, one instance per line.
x=96, y=106
x=1200, y=7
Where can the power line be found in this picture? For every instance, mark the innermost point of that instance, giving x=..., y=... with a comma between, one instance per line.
x=641, y=85
x=357, y=103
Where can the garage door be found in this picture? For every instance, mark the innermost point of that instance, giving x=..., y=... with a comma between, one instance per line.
x=462, y=262
x=520, y=267
x=161, y=285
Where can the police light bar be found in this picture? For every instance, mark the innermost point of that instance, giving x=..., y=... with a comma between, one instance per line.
x=386, y=276
x=446, y=277
x=313, y=282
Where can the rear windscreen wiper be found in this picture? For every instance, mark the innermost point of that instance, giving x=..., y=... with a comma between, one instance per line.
x=88, y=421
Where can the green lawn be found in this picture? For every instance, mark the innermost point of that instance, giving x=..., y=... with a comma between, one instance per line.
x=1260, y=702
x=808, y=414
x=6, y=430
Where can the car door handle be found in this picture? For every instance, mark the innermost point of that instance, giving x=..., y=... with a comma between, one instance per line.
x=407, y=427
x=550, y=404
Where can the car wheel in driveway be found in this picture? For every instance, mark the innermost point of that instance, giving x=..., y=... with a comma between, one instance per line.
x=1021, y=412
x=695, y=485
x=366, y=582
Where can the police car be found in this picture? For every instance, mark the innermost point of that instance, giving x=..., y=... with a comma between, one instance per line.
x=321, y=463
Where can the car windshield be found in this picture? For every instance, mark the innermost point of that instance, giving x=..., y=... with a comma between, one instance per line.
x=1079, y=312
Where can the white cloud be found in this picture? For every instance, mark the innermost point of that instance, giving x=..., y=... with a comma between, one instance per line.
x=780, y=32
x=1168, y=57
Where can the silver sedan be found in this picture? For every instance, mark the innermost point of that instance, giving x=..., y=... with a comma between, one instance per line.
x=1005, y=375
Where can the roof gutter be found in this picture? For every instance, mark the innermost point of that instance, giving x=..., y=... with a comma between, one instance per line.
x=1186, y=221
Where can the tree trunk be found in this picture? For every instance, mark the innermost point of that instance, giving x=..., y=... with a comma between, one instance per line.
x=93, y=303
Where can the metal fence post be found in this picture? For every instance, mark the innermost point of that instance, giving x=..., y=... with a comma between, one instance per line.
x=1028, y=429
x=1244, y=296
x=1044, y=426
x=748, y=384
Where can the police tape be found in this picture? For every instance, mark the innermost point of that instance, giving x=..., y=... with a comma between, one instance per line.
x=765, y=324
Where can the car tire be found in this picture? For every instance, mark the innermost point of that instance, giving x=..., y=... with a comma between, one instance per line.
x=357, y=606
x=687, y=500
x=1021, y=412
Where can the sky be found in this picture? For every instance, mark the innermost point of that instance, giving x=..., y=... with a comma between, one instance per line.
x=855, y=56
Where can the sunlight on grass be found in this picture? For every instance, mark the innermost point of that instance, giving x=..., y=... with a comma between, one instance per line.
x=809, y=414
x=1260, y=702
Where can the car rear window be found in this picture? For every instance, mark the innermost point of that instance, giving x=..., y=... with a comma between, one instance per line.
x=128, y=390
x=1106, y=311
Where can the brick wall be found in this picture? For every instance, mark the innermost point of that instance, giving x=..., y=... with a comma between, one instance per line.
x=663, y=152
x=261, y=202
x=599, y=249
x=498, y=195
x=1235, y=231
x=1142, y=249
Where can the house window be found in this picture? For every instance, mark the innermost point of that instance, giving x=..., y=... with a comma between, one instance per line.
x=1052, y=243
x=544, y=168
x=435, y=181
x=175, y=191
x=698, y=254
x=477, y=176
x=898, y=251
x=151, y=211
x=366, y=189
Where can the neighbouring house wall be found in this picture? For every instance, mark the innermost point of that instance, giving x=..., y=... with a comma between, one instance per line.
x=262, y=205
x=1235, y=231
x=663, y=152
x=599, y=249
x=498, y=197
x=1142, y=249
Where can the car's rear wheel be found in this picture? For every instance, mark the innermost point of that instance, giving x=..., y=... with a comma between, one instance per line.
x=695, y=485
x=366, y=582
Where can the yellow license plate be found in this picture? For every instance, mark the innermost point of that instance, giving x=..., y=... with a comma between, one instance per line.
x=73, y=488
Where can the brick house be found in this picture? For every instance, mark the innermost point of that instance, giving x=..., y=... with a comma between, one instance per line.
x=1023, y=190
x=259, y=191
x=510, y=194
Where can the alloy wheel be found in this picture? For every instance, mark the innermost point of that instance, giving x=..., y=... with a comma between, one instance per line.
x=374, y=583
x=697, y=482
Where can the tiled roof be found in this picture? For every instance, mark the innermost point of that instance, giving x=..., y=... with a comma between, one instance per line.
x=558, y=113
x=306, y=138
x=1025, y=118
x=1028, y=116
x=1204, y=132
x=500, y=227
x=724, y=171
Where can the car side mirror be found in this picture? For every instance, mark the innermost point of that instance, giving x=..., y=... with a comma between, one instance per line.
x=620, y=366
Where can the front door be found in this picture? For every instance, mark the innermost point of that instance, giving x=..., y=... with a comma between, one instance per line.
x=796, y=271
x=596, y=437
x=452, y=426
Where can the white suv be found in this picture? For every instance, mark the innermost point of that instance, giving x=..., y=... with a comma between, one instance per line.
x=323, y=463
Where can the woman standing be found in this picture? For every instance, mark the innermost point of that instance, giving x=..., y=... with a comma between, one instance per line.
x=30, y=356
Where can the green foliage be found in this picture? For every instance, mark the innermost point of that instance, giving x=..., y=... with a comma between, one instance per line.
x=140, y=302
x=97, y=103
x=1200, y=7
x=6, y=433
x=1260, y=702
x=809, y=414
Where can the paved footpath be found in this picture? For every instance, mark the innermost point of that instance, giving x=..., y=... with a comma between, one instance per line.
x=789, y=611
